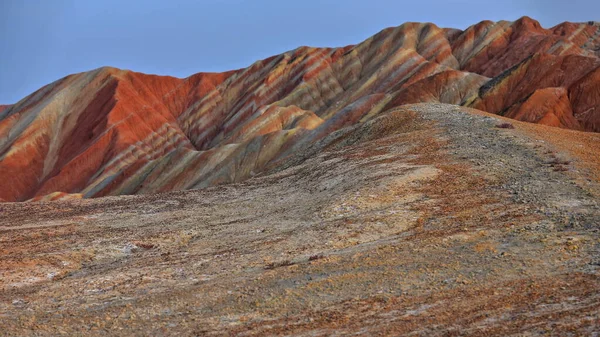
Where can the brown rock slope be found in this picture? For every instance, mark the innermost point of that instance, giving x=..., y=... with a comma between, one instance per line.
x=112, y=132
x=427, y=219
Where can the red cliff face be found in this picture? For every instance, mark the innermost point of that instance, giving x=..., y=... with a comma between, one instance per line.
x=111, y=131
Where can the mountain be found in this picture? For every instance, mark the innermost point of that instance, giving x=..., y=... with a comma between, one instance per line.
x=115, y=132
x=427, y=181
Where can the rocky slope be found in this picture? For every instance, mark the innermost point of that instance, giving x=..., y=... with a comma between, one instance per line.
x=428, y=219
x=113, y=132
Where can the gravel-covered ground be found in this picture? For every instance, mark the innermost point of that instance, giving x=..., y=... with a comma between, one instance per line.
x=429, y=220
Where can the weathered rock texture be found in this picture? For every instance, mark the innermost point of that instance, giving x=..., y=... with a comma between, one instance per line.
x=112, y=132
x=428, y=220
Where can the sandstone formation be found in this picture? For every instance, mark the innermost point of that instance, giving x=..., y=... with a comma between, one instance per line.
x=113, y=132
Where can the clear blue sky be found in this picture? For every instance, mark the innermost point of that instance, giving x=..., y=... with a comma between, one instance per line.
x=44, y=40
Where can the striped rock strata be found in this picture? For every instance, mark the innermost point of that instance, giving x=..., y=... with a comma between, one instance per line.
x=113, y=132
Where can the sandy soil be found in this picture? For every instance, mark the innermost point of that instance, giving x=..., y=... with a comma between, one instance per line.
x=429, y=220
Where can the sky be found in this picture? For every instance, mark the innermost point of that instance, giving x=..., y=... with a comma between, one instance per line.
x=42, y=41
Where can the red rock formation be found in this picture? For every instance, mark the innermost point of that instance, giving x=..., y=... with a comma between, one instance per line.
x=548, y=106
x=111, y=131
x=542, y=71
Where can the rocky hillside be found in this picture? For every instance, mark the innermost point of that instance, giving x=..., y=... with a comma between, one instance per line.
x=114, y=132
x=427, y=220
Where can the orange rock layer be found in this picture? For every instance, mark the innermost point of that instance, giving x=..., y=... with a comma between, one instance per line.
x=111, y=131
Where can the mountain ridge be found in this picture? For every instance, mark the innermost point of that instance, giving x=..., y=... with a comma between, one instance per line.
x=111, y=131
